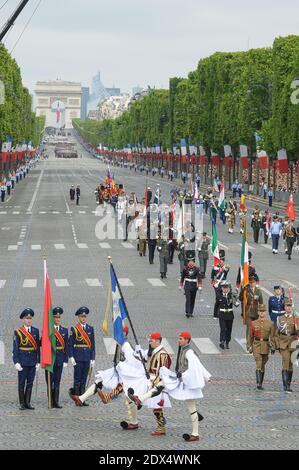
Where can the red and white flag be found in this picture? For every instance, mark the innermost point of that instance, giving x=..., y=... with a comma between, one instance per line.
x=263, y=160
x=283, y=163
x=244, y=157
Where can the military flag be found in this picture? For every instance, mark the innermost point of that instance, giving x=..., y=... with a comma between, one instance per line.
x=215, y=245
x=221, y=202
x=48, y=347
x=244, y=271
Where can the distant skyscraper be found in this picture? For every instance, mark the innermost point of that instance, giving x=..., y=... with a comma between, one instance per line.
x=113, y=91
x=84, y=102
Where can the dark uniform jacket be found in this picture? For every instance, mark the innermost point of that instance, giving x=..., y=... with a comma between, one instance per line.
x=276, y=307
x=225, y=303
x=25, y=352
x=80, y=349
x=191, y=278
x=61, y=349
x=254, y=298
x=218, y=274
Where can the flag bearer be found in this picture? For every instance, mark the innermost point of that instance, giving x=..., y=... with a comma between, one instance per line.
x=81, y=351
x=26, y=357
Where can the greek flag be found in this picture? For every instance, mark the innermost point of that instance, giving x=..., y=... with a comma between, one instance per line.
x=119, y=311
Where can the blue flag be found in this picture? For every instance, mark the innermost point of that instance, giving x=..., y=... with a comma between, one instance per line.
x=119, y=311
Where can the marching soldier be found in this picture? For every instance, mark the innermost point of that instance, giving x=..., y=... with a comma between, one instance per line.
x=182, y=254
x=230, y=216
x=162, y=247
x=61, y=335
x=261, y=341
x=191, y=281
x=72, y=193
x=26, y=357
x=256, y=224
x=254, y=298
x=276, y=304
x=156, y=357
x=203, y=254
x=142, y=232
x=219, y=273
x=251, y=272
x=81, y=351
x=286, y=335
x=226, y=314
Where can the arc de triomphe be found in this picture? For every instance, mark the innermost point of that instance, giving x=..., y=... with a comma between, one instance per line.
x=59, y=102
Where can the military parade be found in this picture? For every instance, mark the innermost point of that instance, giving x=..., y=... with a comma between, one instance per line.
x=149, y=239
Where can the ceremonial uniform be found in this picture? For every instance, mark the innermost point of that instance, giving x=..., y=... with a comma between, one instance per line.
x=182, y=255
x=256, y=224
x=219, y=273
x=61, y=360
x=72, y=193
x=230, y=215
x=162, y=247
x=225, y=314
x=78, y=194
x=254, y=298
x=203, y=256
x=191, y=281
x=142, y=232
x=287, y=333
x=276, y=307
x=81, y=352
x=261, y=340
x=26, y=357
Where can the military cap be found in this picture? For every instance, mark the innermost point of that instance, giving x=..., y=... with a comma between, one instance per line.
x=222, y=254
x=82, y=311
x=262, y=308
x=27, y=312
x=249, y=255
x=251, y=277
x=277, y=287
x=288, y=301
x=57, y=311
x=155, y=335
x=190, y=255
x=185, y=335
x=225, y=284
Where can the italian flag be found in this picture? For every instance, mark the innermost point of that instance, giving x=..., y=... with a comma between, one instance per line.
x=215, y=246
x=48, y=347
x=221, y=203
x=244, y=270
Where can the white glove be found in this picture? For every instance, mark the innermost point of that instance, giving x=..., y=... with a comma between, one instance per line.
x=18, y=367
x=73, y=361
x=92, y=363
x=64, y=365
x=37, y=367
x=199, y=288
x=137, y=348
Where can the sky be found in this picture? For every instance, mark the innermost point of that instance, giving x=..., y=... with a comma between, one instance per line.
x=138, y=42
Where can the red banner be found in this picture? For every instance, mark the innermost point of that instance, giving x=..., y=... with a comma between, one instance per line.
x=228, y=161
x=215, y=160
x=244, y=162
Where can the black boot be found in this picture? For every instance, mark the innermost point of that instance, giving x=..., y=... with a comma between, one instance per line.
x=22, y=399
x=284, y=374
x=28, y=394
x=221, y=345
x=262, y=374
x=259, y=380
x=289, y=380
x=227, y=345
x=82, y=390
x=56, y=398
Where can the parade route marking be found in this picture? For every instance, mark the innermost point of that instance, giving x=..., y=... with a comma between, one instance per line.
x=105, y=246
x=16, y=212
x=2, y=283
x=93, y=282
x=82, y=246
x=127, y=245
x=36, y=247
x=3, y=212
x=59, y=246
x=205, y=346
x=42, y=212
x=36, y=190
x=242, y=343
x=12, y=247
x=125, y=282
x=61, y=283
x=30, y=283
x=156, y=282
x=2, y=353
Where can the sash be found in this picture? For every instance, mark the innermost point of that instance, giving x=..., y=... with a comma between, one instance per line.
x=28, y=336
x=59, y=337
x=84, y=334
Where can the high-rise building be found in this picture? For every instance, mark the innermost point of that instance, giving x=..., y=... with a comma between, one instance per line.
x=113, y=91
x=84, y=102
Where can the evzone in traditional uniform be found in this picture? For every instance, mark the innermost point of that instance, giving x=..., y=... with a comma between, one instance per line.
x=156, y=357
x=287, y=334
x=185, y=384
x=261, y=342
x=219, y=274
x=81, y=351
x=127, y=372
x=26, y=357
x=61, y=360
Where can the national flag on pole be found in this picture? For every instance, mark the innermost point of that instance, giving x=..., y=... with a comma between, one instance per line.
x=119, y=311
x=263, y=160
x=221, y=202
x=290, y=210
x=283, y=163
x=268, y=221
x=58, y=113
x=215, y=158
x=215, y=246
x=244, y=157
x=244, y=271
x=48, y=347
x=242, y=203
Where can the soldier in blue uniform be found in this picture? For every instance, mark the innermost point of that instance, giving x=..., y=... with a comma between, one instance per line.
x=276, y=304
x=81, y=351
x=26, y=357
x=61, y=335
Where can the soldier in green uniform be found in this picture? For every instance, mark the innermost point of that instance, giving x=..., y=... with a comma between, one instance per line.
x=254, y=298
x=261, y=340
x=286, y=336
x=162, y=247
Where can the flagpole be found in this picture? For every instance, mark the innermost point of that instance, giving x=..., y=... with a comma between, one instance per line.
x=48, y=372
x=128, y=316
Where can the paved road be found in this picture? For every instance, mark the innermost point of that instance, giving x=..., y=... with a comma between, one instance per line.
x=39, y=220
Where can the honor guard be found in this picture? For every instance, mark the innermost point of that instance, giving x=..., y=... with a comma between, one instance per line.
x=81, y=351
x=287, y=334
x=78, y=194
x=162, y=247
x=203, y=254
x=261, y=341
x=191, y=282
x=61, y=336
x=254, y=298
x=26, y=357
x=219, y=274
x=256, y=224
x=156, y=357
x=225, y=314
x=72, y=193
x=276, y=304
